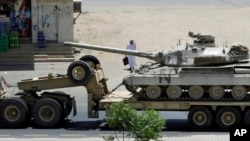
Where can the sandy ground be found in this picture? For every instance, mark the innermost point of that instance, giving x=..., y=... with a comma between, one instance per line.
x=159, y=27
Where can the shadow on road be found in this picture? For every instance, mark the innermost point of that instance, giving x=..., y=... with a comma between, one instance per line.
x=17, y=67
x=172, y=125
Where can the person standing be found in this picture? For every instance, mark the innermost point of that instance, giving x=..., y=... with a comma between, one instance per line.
x=131, y=59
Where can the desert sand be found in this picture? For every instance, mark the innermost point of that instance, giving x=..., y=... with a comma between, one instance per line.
x=159, y=27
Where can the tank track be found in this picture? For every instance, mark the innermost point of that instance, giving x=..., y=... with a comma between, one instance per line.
x=185, y=96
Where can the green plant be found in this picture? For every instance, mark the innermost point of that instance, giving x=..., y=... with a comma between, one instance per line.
x=119, y=117
x=147, y=126
x=142, y=127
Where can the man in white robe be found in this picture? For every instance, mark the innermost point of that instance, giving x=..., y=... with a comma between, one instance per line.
x=131, y=59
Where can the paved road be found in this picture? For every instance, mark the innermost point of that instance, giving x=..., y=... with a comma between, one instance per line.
x=62, y=135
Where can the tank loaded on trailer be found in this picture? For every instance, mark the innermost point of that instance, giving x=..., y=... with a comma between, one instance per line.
x=50, y=109
x=213, y=89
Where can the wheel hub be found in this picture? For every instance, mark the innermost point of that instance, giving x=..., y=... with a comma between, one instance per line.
x=200, y=118
x=78, y=73
x=46, y=113
x=228, y=118
x=12, y=113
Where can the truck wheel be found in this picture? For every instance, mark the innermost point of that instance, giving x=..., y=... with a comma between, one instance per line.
x=79, y=72
x=14, y=113
x=227, y=116
x=91, y=60
x=247, y=117
x=47, y=113
x=200, y=117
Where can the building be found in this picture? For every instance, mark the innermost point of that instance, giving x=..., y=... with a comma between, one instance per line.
x=50, y=22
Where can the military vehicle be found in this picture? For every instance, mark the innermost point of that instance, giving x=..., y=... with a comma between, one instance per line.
x=203, y=52
x=198, y=71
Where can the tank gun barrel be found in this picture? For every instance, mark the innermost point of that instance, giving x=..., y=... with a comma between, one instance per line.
x=149, y=55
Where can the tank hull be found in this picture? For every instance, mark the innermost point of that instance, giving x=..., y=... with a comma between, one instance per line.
x=230, y=81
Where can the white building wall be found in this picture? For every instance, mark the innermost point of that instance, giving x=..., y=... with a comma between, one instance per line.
x=66, y=21
x=62, y=10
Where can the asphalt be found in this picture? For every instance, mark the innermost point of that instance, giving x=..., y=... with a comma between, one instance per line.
x=191, y=138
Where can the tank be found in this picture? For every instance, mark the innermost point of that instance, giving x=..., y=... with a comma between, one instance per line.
x=198, y=71
x=203, y=52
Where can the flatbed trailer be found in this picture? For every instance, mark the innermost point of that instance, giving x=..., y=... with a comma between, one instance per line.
x=50, y=109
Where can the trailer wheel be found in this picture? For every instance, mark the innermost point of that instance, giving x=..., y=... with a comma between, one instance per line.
x=47, y=113
x=14, y=113
x=91, y=60
x=227, y=116
x=247, y=117
x=79, y=72
x=200, y=117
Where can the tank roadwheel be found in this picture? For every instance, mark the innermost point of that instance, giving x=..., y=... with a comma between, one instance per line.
x=153, y=92
x=239, y=92
x=227, y=116
x=14, y=113
x=196, y=92
x=174, y=92
x=247, y=117
x=79, y=72
x=47, y=113
x=91, y=60
x=216, y=92
x=200, y=117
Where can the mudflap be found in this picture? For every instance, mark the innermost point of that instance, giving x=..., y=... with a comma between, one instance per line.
x=74, y=106
x=92, y=107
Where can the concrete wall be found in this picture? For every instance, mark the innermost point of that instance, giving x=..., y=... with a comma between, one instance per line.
x=54, y=18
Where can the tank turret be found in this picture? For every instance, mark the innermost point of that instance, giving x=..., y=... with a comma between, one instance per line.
x=203, y=52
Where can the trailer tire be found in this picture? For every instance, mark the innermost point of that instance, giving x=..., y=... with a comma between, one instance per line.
x=79, y=72
x=47, y=113
x=14, y=113
x=91, y=60
x=227, y=116
x=200, y=117
x=247, y=117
